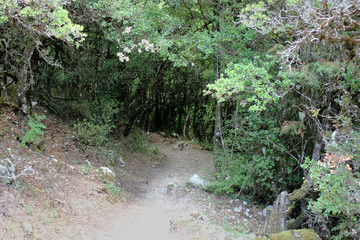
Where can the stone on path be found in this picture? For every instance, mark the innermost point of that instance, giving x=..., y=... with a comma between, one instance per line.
x=27, y=227
x=197, y=181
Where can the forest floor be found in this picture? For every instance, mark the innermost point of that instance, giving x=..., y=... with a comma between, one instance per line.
x=63, y=197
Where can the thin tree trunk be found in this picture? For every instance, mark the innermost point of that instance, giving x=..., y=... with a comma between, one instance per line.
x=25, y=79
x=186, y=121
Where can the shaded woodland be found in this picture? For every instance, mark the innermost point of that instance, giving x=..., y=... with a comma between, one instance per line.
x=271, y=87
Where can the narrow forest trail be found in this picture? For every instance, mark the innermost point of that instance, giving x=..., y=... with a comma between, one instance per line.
x=157, y=209
x=166, y=208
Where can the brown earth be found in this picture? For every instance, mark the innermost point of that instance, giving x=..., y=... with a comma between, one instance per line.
x=63, y=198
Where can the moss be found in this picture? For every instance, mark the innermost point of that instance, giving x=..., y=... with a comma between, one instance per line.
x=106, y=174
x=275, y=49
x=302, y=234
x=13, y=92
x=277, y=220
x=274, y=222
x=295, y=223
x=2, y=96
x=300, y=193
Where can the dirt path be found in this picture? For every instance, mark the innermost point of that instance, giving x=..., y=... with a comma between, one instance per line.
x=166, y=208
x=180, y=163
x=157, y=210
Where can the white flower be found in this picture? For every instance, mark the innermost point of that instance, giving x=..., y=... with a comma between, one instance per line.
x=127, y=29
x=122, y=57
x=127, y=50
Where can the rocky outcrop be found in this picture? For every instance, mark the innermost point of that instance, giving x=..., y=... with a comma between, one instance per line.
x=277, y=217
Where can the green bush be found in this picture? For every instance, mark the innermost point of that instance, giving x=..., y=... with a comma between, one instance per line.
x=256, y=162
x=336, y=180
x=98, y=126
x=252, y=175
x=136, y=141
x=92, y=133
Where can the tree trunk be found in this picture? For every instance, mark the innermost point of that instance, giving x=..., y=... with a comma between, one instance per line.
x=186, y=120
x=25, y=79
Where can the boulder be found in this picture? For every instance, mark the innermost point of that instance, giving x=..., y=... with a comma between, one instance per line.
x=106, y=174
x=197, y=181
x=301, y=234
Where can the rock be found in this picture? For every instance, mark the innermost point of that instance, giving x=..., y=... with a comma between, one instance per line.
x=4, y=171
x=27, y=227
x=248, y=214
x=302, y=116
x=175, y=135
x=276, y=221
x=7, y=171
x=197, y=181
x=106, y=174
x=122, y=162
x=238, y=209
x=170, y=187
x=267, y=209
x=301, y=234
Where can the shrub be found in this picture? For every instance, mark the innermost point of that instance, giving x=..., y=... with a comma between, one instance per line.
x=336, y=180
x=136, y=141
x=33, y=135
x=92, y=133
x=98, y=126
x=255, y=162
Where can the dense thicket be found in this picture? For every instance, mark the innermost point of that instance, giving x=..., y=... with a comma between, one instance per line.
x=274, y=85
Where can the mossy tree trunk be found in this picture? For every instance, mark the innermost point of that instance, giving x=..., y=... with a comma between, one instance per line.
x=25, y=79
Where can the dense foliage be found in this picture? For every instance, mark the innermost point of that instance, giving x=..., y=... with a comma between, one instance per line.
x=273, y=84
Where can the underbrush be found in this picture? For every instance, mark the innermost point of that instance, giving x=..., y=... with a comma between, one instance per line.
x=255, y=162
